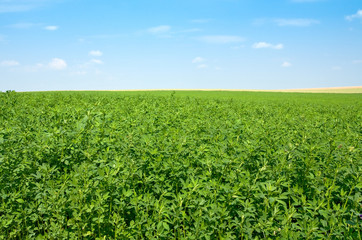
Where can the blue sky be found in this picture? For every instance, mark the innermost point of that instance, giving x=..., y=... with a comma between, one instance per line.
x=172, y=44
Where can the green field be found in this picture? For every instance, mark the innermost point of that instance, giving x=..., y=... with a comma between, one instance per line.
x=180, y=165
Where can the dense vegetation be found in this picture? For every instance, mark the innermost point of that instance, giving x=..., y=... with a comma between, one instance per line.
x=180, y=165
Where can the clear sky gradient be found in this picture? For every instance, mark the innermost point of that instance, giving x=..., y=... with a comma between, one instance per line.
x=172, y=44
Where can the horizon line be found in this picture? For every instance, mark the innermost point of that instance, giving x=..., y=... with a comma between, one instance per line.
x=211, y=89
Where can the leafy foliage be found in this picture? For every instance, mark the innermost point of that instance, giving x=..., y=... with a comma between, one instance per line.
x=180, y=165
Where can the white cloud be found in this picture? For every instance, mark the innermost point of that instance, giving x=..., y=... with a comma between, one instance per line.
x=159, y=29
x=95, y=53
x=201, y=66
x=51, y=28
x=268, y=45
x=198, y=60
x=9, y=63
x=96, y=61
x=296, y=22
x=221, y=39
x=357, y=61
x=286, y=64
x=358, y=15
x=57, y=64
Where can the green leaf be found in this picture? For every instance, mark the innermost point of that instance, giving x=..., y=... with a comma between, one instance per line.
x=351, y=223
x=160, y=226
x=39, y=237
x=165, y=226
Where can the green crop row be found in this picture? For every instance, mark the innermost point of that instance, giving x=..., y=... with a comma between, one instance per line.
x=180, y=166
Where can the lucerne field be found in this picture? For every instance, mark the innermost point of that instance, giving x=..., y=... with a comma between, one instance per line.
x=180, y=165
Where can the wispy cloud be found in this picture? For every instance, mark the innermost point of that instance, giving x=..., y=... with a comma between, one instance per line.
x=87, y=67
x=358, y=15
x=286, y=64
x=285, y=22
x=296, y=22
x=159, y=29
x=9, y=63
x=36, y=67
x=96, y=61
x=166, y=31
x=198, y=60
x=27, y=25
x=358, y=61
x=259, y=45
x=51, y=28
x=95, y=53
x=22, y=25
x=202, y=66
x=7, y=6
x=220, y=39
x=57, y=64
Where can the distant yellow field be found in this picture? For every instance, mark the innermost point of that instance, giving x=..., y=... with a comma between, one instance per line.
x=357, y=89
